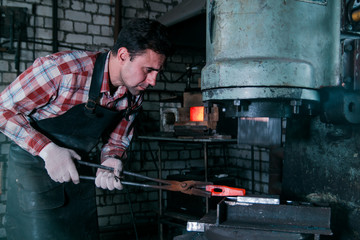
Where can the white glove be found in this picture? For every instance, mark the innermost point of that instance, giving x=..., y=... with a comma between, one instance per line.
x=106, y=179
x=59, y=163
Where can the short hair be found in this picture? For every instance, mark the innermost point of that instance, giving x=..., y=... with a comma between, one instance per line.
x=141, y=34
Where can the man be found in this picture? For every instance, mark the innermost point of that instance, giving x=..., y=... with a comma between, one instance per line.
x=56, y=111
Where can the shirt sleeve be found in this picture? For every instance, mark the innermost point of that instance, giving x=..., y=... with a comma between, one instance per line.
x=32, y=89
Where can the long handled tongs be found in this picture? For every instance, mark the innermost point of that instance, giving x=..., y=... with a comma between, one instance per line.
x=191, y=187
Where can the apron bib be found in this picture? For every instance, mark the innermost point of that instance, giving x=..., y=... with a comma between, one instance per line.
x=81, y=127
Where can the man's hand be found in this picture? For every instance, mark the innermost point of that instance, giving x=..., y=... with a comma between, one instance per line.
x=107, y=180
x=59, y=163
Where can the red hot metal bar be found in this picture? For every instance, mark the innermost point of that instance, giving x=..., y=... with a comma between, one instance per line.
x=224, y=191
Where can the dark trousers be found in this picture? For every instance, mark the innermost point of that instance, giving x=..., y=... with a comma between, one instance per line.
x=39, y=208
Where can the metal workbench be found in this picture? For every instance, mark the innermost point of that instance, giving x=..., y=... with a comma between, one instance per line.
x=204, y=140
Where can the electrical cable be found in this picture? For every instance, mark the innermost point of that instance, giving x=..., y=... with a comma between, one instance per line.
x=188, y=69
x=152, y=156
x=131, y=212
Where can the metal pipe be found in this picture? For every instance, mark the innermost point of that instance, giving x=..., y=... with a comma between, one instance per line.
x=18, y=52
x=160, y=197
x=206, y=173
x=252, y=170
x=34, y=29
x=118, y=17
x=55, y=25
x=12, y=31
x=260, y=171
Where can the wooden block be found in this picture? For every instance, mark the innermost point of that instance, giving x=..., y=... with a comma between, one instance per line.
x=184, y=114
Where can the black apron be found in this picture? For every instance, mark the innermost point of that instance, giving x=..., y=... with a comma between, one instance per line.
x=39, y=208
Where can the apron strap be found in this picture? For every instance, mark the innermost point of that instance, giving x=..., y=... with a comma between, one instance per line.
x=96, y=82
x=133, y=107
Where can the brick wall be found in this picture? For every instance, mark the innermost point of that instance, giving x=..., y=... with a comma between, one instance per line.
x=252, y=167
x=88, y=24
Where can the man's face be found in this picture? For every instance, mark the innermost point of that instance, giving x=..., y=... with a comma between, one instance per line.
x=138, y=73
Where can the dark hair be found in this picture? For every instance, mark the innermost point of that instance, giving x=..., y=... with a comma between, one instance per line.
x=141, y=34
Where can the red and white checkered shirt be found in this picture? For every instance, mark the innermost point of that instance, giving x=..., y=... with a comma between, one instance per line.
x=50, y=87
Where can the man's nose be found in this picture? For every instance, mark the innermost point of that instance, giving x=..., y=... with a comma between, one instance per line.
x=151, y=78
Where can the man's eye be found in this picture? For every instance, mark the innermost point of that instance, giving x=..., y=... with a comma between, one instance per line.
x=148, y=70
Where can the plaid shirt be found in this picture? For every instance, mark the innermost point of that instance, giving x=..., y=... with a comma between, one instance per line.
x=50, y=87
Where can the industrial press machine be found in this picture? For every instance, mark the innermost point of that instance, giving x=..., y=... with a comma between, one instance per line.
x=288, y=65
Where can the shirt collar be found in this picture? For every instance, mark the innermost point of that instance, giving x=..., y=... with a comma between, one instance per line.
x=121, y=91
x=105, y=87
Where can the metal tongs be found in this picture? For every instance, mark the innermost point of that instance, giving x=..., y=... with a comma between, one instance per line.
x=191, y=187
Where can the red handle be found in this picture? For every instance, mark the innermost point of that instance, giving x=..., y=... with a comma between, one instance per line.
x=219, y=190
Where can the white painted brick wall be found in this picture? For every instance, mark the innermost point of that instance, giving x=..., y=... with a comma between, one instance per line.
x=77, y=5
x=80, y=27
x=104, y=41
x=159, y=86
x=101, y=20
x=93, y=29
x=66, y=25
x=133, y=3
x=175, y=87
x=44, y=11
x=78, y=38
x=130, y=12
x=61, y=4
x=103, y=221
x=77, y=16
x=48, y=22
x=8, y=77
x=91, y=7
x=115, y=220
x=141, y=13
x=106, y=31
x=151, y=106
x=157, y=7
x=106, y=210
x=43, y=33
x=109, y=2
x=4, y=66
x=104, y=9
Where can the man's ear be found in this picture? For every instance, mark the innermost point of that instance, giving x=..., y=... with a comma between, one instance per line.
x=122, y=54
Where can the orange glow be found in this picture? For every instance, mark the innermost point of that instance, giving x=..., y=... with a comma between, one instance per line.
x=196, y=114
